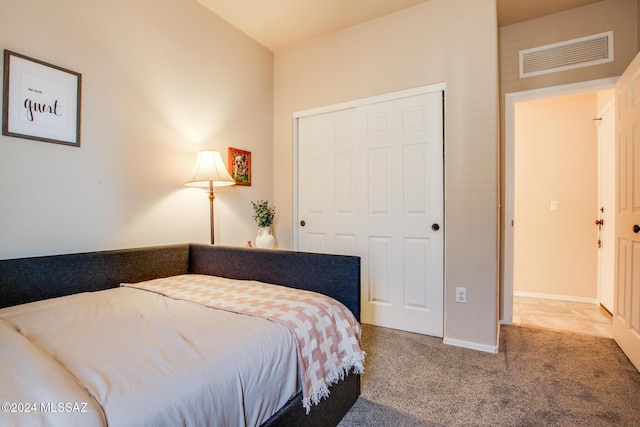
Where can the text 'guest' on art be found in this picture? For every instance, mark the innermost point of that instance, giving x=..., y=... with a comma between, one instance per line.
x=41, y=101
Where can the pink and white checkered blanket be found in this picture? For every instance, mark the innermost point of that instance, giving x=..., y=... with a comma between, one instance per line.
x=326, y=332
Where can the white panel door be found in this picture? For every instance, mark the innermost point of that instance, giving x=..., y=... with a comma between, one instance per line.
x=371, y=184
x=326, y=182
x=606, y=213
x=626, y=316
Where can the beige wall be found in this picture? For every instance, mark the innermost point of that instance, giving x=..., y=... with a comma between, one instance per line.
x=556, y=160
x=617, y=15
x=162, y=79
x=438, y=41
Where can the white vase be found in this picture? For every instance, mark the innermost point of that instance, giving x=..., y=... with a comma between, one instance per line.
x=265, y=239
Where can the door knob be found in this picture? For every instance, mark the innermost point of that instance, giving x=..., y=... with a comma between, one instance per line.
x=302, y=223
x=636, y=228
x=435, y=227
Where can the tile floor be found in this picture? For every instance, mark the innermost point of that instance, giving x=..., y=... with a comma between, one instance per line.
x=562, y=315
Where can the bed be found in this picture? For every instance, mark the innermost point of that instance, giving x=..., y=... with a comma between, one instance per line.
x=129, y=337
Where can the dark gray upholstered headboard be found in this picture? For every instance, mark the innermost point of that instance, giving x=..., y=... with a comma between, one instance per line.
x=25, y=280
x=334, y=275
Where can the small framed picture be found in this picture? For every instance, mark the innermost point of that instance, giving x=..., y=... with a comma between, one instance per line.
x=41, y=101
x=240, y=166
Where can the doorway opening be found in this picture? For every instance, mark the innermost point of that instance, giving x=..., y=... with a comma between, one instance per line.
x=550, y=269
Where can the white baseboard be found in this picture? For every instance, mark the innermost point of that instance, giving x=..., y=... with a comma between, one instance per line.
x=555, y=297
x=471, y=345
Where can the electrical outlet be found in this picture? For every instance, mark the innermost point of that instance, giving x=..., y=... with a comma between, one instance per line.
x=461, y=295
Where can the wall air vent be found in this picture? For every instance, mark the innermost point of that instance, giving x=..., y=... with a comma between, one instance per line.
x=576, y=53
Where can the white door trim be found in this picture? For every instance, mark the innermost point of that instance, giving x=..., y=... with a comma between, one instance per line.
x=437, y=87
x=509, y=141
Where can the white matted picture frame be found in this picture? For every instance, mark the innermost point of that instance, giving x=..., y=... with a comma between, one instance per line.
x=41, y=101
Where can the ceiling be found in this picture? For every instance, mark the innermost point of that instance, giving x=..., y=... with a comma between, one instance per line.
x=277, y=24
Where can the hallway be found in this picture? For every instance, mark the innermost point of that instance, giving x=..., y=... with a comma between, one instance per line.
x=570, y=316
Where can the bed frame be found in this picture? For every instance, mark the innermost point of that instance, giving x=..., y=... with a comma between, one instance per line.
x=24, y=280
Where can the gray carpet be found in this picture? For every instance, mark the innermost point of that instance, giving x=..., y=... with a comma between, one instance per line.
x=539, y=378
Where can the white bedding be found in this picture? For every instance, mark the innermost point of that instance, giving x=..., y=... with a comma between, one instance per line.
x=326, y=332
x=212, y=368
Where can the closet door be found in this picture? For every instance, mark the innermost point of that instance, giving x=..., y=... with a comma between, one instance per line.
x=371, y=184
x=327, y=153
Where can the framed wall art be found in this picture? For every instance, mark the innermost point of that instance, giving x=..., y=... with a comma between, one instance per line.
x=240, y=166
x=41, y=101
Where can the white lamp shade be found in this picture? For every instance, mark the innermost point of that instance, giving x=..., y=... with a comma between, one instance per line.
x=210, y=168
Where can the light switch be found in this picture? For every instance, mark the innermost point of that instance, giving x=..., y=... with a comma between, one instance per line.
x=553, y=205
